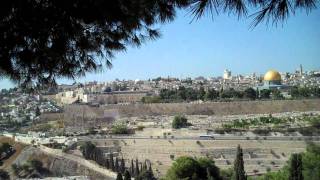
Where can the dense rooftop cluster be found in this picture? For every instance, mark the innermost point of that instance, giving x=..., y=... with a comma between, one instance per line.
x=18, y=109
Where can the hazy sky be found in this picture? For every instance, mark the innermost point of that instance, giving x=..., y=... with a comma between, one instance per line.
x=208, y=46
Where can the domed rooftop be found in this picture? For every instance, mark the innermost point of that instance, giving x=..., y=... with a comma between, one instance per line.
x=272, y=75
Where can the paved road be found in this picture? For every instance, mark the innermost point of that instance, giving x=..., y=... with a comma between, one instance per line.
x=88, y=164
x=214, y=137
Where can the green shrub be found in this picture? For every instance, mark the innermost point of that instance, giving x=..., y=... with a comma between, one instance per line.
x=180, y=122
x=190, y=168
x=120, y=129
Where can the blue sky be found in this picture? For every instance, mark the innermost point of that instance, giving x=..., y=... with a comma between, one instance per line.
x=208, y=46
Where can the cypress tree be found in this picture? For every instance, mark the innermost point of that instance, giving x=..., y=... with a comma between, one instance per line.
x=38, y=113
x=137, y=172
x=296, y=167
x=132, y=167
x=119, y=176
x=150, y=170
x=107, y=163
x=122, y=166
x=117, y=169
x=140, y=166
x=127, y=175
x=239, y=172
x=111, y=162
x=144, y=166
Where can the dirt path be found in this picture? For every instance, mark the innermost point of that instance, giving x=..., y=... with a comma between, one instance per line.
x=89, y=164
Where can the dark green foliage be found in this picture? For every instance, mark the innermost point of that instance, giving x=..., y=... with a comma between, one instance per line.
x=304, y=92
x=209, y=176
x=116, y=166
x=137, y=170
x=107, y=90
x=250, y=93
x=188, y=94
x=207, y=166
x=38, y=113
x=311, y=162
x=90, y=151
x=6, y=148
x=307, y=162
x=239, y=173
x=183, y=167
x=112, y=166
x=201, y=93
x=87, y=150
x=180, y=122
x=189, y=168
x=151, y=99
x=4, y=175
x=226, y=174
x=44, y=40
x=119, y=176
x=265, y=94
x=120, y=129
x=231, y=93
x=211, y=94
x=150, y=169
x=144, y=167
x=261, y=121
x=127, y=175
x=132, y=168
x=145, y=175
x=295, y=169
x=122, y=166
x=107, y=163
x=35, y=164
x=276, y=94
x=16, y=169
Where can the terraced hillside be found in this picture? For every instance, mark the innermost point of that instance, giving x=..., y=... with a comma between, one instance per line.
x=259, y=155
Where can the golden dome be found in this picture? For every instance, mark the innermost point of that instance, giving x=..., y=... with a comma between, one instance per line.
x=272, y=75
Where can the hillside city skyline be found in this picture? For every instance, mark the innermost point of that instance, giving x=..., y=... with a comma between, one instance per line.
x=221, y=75
x=208, y=46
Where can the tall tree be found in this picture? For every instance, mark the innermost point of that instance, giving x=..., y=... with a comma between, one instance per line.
x=107, y=163
x=122, y=166
x=116, y=166
x=189, y=168
x=250, y=93
x=132, y=168
x=150, y=169
x=265, y=94
x=239, y=173
x=201, y=93
x=44, y=40
x=144, y=167
x=127, y=175
x=137, y=171
x=38, y=113
x=119, y=176
x=295, y=171
x=112, y=167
